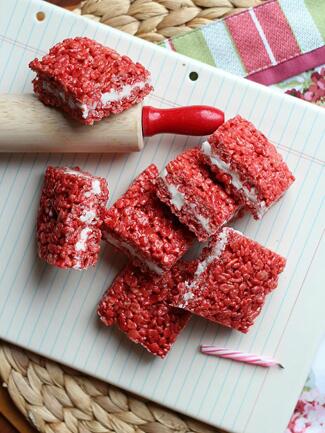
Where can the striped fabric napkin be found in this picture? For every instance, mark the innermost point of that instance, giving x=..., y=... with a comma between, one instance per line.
x=271, y=43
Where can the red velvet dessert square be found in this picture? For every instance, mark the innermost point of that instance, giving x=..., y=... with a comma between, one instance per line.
x=232, y=278
x=70, y=217
x=88, y=80
x=137, y=302
x=247, y=164
x=144, y=228
x=198, y=201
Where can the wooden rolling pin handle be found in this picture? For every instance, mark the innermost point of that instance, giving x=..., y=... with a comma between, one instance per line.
x=192, y=120
x=27, y=125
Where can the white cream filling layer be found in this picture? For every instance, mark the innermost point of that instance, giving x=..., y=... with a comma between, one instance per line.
x=112, y=96
x=106, y=98
x=88, y=216
x=123, y=245
x=81, y=245
x=177, y=198
x=95, y=184
x=76, y=173
x=125, y=92
x=203, y=221
x=202, y=266
x=217, y=250
x=251, y=194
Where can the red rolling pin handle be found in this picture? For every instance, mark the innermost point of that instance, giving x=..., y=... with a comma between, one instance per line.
x=192, y=120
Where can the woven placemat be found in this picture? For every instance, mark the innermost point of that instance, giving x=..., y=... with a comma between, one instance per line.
x=57, y=399
x=156, y=20
x=52, y=397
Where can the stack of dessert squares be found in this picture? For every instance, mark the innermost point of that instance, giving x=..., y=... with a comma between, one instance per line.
x=161, y=215
x=193, y=198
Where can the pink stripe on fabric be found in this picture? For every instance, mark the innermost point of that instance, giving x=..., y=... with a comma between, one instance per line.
x=248, y=42
x=289, y=68
x=277, y=31
x=171, y=44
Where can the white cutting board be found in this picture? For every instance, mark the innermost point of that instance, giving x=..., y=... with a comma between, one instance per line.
x=53, y=312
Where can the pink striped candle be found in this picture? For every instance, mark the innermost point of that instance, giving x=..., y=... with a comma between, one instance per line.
x=235, y=355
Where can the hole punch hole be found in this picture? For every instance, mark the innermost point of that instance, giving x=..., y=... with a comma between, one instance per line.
x=193, y=76
x=40, y=16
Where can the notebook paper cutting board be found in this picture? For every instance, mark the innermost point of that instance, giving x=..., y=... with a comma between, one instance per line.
x=53, y=312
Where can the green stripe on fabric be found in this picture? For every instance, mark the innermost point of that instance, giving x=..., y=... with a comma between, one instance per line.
x=317, y=11
x=194, y=46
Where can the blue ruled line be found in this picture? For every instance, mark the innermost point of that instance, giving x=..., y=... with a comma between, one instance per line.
x=203, y=336
x=76, y=320
x=286, y=291
x=302, y=251
x=3, y=174
x=70, y=273
x=122, y=367
x=257, y=327
x=28, y=211
x=46, y=25
x=218, y=362
x=20, y=62
x=120, y=340
x=192, y=325
x=8, y=59
x=37, y=288
x=81, y=307
x=31, y=238
x=2, y=241
x=36, y=194
x=9, y=21
x=104, y=349
x=163, y=164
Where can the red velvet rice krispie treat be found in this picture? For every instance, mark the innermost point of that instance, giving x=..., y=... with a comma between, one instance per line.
x=70, y=217
x=88, y=80
x=144, y=228
x=199, y=202
x=247, y=164
x=232, y=278
x=138, y=302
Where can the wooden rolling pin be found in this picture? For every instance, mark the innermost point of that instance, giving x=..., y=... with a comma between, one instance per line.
x=29, y=126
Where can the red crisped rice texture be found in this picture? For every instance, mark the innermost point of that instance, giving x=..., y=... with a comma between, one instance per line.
x=139, y=219
x=203, y=195
x=83, y=69
x=254, y=159
x=64, y=199
x=138, y=303
x=232, y=289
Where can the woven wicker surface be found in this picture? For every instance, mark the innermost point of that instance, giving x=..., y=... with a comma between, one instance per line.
x=155, y=20
x=60, y=400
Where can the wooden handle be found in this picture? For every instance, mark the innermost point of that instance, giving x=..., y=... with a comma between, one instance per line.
x=29, y=126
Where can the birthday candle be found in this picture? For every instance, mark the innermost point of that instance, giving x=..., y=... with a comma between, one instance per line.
x=235, y=355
